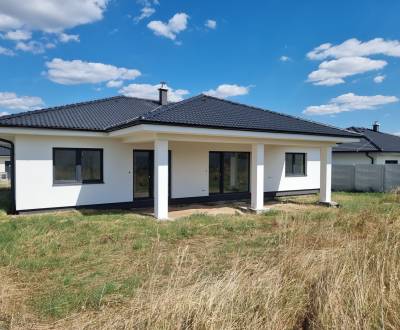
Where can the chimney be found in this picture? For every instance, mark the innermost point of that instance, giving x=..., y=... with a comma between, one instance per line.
x=375, y=126
x=163, y=94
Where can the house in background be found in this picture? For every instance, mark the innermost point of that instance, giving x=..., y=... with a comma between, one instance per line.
x=131, y=152
x=5, y=164
x=374, y=147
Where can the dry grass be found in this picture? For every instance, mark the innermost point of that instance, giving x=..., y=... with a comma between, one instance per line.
x=310, y=268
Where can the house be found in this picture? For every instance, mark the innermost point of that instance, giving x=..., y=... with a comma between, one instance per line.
x=124, y=151
x=4, y=163
x=374, y=147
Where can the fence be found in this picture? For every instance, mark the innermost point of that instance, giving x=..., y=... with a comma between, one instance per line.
x=377, y=178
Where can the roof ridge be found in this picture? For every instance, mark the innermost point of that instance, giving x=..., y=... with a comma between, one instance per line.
x=276, y=112
x=61, y=107
x=166, y=107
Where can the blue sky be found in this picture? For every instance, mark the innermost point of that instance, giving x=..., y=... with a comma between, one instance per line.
x=330, y=61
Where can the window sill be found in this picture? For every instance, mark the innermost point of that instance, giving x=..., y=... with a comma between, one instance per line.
x=296, y=175
x=75, y=183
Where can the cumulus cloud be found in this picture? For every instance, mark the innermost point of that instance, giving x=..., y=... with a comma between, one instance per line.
x=379, y=79
x=284, y=58
x=349, y=58
x=81, y=72
x=148, y=91
x=18, y=35
x=64, y=37
x=226, y=90
x=333, y=72
x=145, y=12
x=114, y=83
x=6, y=51
x=175, y=25
x=49, y=15
x=350, y=102
x=12, y=101
x=356, y=48
x=211, y=24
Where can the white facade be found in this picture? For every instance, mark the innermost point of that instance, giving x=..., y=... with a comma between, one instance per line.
x=358, y=158
x=189, y=148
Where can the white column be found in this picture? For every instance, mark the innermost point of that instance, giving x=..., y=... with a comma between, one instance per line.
x=326, y=174
x=257, y=177
x=161, y=179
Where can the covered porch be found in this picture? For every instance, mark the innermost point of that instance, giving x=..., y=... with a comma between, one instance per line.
x=175, y=165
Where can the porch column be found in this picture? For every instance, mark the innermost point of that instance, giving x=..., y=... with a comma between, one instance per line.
x=257, y=177
x=326, y=175
x=161, y=179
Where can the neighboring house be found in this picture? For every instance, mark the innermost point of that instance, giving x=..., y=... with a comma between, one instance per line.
x=5, y=164
x=133, y=152
x=374, y=147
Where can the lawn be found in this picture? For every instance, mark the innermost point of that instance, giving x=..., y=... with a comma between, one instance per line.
x=301, y=267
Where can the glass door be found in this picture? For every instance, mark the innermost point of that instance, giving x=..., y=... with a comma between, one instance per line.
x=143, y=168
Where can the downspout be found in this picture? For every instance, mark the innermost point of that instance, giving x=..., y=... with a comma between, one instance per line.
x=12, y=158
x=370, y=157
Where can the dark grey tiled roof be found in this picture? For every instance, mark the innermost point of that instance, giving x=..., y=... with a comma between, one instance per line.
x=93, y=116
x=200, y=111
x=209, y=111
x=371, y=141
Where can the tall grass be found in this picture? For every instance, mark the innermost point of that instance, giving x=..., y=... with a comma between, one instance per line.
x=316, y=268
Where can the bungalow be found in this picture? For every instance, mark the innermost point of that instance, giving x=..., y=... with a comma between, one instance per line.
x=374, y=147
x=125, y=151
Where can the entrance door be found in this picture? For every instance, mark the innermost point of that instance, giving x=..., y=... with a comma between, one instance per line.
x=143, y=174
x=143, y=169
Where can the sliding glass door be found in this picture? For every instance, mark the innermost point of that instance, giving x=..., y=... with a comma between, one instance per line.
x=229, y=172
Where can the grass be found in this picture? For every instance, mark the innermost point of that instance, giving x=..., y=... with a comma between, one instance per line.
x=303, y=267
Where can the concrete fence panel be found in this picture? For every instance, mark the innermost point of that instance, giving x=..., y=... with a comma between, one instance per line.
x=343, y=177
x=392, y=177
x=377, y=178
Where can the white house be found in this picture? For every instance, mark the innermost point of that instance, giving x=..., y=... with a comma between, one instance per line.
x=131, y=152
x=374, y=147
x=4, y=163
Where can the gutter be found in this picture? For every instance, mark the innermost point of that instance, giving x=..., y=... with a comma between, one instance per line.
x=370, y=157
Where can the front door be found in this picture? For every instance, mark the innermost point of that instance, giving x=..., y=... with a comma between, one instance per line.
x=143, y=174
x=143, y=169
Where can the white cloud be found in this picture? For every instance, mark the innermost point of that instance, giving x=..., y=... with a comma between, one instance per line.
x=350, y=102
x=175, y=25
x=211, y=24
x=356, y=48
x=114, y=83
x=32, y=46
x=148, y=91
x=18, y=35
x=284, y=58
x=14, y=102
x=379, y=79
x=80, y=72
x=397, y=133
x=49, y=15
x=333, y=72
x=226, y=90
x=6, y=51
x=4, y=113
x=145, y=12
x=64, y=37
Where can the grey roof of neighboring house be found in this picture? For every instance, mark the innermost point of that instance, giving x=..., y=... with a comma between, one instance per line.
x=371, y=141
x=199, y=111
x=4, y=151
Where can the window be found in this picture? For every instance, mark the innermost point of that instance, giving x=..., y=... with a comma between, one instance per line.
x=228, y=172
x=391, y=161
x=77, y=166
x=295, y=164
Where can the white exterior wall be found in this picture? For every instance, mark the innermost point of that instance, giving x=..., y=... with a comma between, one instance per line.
x=34, y=173
x=189, y=170
x=3, y=160
x=355, y=158
x=275, y=178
